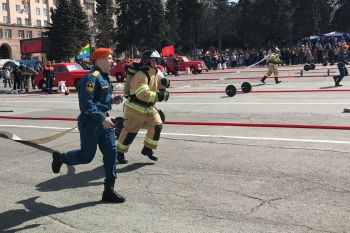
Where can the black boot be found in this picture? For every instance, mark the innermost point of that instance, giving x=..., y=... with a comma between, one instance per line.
x=276, y=80
x=121, y=158
x=263, y=79
x=109, y=195
x=149, y=153
x=335, y=79
x=57, y=161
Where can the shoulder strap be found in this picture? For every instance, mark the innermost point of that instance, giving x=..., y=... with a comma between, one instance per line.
x=147, y=74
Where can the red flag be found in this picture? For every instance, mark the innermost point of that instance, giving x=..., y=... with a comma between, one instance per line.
x=168, y=50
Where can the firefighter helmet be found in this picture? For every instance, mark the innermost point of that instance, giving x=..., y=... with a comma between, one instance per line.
x=147, y=55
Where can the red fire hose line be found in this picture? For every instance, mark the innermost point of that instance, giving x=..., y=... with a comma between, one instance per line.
x=223, y=91
x=264, y=70
x=260, y=91
x=244, y=78
x=240, y=124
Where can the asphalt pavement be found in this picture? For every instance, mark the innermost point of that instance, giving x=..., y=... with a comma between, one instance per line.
x=208, y=178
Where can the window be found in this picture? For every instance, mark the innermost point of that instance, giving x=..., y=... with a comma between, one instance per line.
x=20, y=34
x=46, y=24
x=19, y=21
x=18, y=8
x=27, y=22
x=8, y=33
x=29, y=34
x=39, y=34
x=26, y=9
x=37, y=10
x=4, y=6
x=61, y=69
x=37, y=1
x=45, y=12
x=44, y=1
x=38, y=23
x=5, y=19
x=0, y=33
x=74, y=67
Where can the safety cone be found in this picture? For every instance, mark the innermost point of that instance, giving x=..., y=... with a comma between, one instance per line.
x=62, y=87
x=219, y=67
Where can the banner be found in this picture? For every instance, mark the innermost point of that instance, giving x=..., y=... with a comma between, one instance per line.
x=33, y=45
x=168, y=50
x=84, y=52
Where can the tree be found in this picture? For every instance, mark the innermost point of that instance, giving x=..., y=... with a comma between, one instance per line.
x=172, y=21
x=123, y=35
x=246, y=24
x=190, y=16
x=341, y=17
x=326, y=9
x=68, y=32
x=104, y=23
x=305, y=19
x=80, y=25
x=222, y=20
x=151, y=24
x=60, y=31
x=140, y=24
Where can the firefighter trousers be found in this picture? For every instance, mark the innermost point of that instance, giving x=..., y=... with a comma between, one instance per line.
x=133, y=122
x=272, y=70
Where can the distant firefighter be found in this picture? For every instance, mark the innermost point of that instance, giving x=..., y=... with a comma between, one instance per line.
x=273, y=60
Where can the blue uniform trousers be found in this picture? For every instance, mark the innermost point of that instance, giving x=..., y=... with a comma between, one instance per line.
x=49, y=84
x=343, y=71
x=92, y=134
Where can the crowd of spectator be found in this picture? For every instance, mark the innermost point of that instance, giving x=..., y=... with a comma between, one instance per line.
x=316, y=50
x=15, y=77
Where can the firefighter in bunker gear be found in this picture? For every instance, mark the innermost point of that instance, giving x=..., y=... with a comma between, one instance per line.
x=272, y=61
x=145, y=90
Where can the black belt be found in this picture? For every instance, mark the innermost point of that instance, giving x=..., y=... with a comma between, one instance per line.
x=134, y=99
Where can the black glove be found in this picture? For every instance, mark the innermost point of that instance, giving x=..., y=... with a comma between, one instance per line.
x=165, y=82
x=117, y=99
x=163, y=95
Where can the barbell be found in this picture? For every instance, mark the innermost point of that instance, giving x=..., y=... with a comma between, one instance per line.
x=328, y=72
x=325, y=63
x=308, y=67
x=231, y=90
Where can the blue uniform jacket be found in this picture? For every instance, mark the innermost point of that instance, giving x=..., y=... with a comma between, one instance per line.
x=344, y=58
x=95, y=96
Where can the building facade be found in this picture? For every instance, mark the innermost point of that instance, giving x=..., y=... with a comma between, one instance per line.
x=26, y=19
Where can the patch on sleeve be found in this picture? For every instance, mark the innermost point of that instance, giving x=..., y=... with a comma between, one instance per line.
x=90, y=86
x=95, y=74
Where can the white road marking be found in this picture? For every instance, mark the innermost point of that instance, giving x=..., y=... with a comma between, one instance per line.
x=258, y=138
x=261, y=103
x=202, y=135
x=198, y=103
x=36, y=127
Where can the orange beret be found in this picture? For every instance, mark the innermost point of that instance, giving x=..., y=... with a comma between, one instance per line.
x=100, y=53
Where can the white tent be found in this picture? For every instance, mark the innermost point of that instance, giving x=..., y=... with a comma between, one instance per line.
x=334, y=34
x=9, y=62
